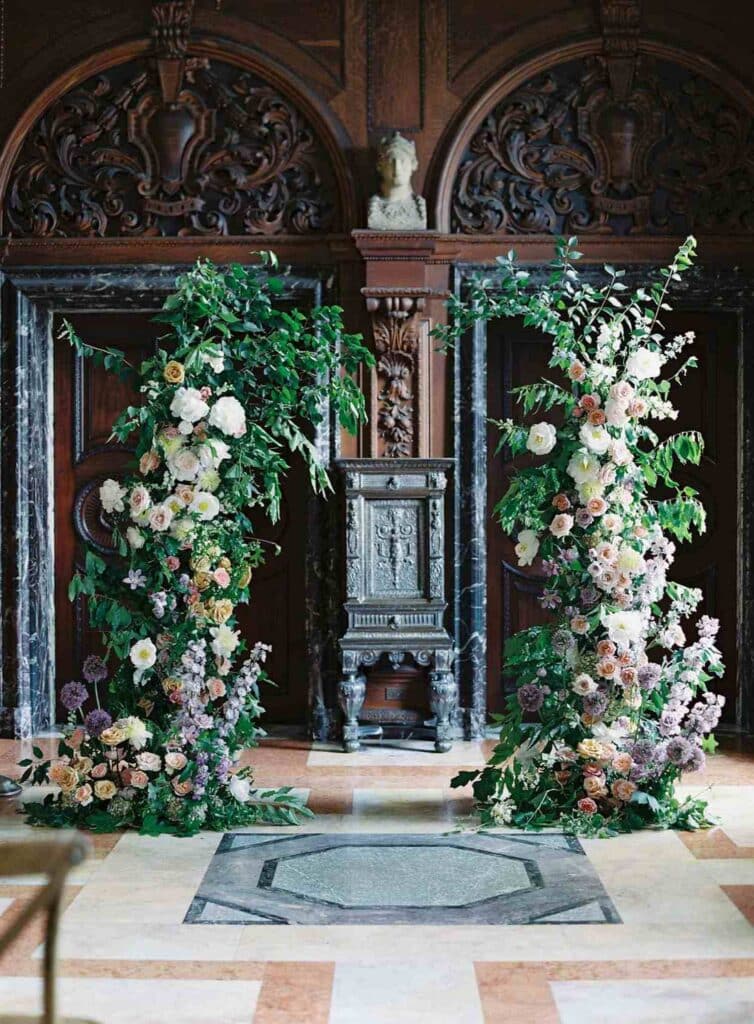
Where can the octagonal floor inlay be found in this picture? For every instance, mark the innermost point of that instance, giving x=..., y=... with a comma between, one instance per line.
x=400, y=879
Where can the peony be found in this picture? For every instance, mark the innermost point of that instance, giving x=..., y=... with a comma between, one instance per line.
x=105, y=789
x=542, y=438
x=595, y=438
x=644, y=363
x=224, y=640
x=149, y=762
x=111, y=494
x=227, y=415
x=239, y=788
x=160, y=518
x=561, y=525
x=175, y=761
x=208, y=479
x=616, y=412
x=205, y=505
x=624, y=628
x=527, y=547
x=174, y=372
x=583, y=467
x=182, y=528
x=143, y=654
x=184, y=465
x=135, y=538
x=188, y=405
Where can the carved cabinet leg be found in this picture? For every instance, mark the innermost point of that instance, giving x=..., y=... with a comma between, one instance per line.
x=351, y=693
x=443, y=701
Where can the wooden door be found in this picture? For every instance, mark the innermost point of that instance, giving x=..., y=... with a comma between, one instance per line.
x=87, y=401
x=707, y=402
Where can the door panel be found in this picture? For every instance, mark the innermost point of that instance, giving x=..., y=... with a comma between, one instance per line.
x=87, y=401
x=707, y=401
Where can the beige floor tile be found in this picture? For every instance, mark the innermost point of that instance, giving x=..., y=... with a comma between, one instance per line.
x=146, y=1002
x=411, y=753
x=403, y=810
x=404, y=993
x=138, y=940
x=693, y=1001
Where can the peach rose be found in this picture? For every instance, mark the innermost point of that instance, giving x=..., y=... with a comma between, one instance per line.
x=245, y=578
x=595, y=770
x=175, y=761
x=605, y=648
x=185, y=492
x=590, y=750
x=594, y=786
x=83, y=795
x=623, y=789
x=105, y=789
x=590, y=402
x=83, y=765
x=623, y=763
x=596, y=506
x=63, y=776
x=202, y=580
x=174, y=372
x=221, y=611
x=561, y=525
x=113, y=736
x=77, y=737
x=597, y=417
x=562, y=776
x=629, y=676
x=606, y=668
x=587, y=806
x=577, y=370
x=138, y=779
x=580, y=624
x=216, y=688
x=99, y=771
x=182, y=788
x=149, y=462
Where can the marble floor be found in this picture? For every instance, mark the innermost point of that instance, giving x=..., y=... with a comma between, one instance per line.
x=448, y=927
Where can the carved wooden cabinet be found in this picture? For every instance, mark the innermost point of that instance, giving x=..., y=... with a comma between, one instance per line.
x=395, y=582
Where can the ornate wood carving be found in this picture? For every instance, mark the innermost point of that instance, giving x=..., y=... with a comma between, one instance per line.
x=171, y=145
x=397, y=421
x=615, y=145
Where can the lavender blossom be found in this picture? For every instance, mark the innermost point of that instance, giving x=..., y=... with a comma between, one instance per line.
x=97, y=721
x=679, y=751
x=595, y=704
x=649, y=676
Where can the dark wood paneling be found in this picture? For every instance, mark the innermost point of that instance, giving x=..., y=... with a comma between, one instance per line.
x=395, y=60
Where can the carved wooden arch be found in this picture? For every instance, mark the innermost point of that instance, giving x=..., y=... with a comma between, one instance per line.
x=527, y=82
x=321, y=172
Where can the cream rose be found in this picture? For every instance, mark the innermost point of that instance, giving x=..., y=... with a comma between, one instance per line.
x=561, y=525
x=595, y=438
x=184, y=465
x=175, y=761
x=643, y=364
x=149, y=762
x=542, y=438
x=160, y=518
x=583, y=684
x=105, y=789
x=139, y=500
x=188, y=405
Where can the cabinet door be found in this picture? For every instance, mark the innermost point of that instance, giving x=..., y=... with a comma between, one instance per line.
x=87, y=401
x=707, y=402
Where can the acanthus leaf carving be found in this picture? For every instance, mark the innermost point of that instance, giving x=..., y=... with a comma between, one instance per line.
x=230, y=155
x=621, y=143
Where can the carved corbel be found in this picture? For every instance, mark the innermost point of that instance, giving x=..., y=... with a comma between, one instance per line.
x=399, y=412
x=620, y=43
x=171, y=26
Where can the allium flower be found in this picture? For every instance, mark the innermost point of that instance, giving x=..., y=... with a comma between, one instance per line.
x=596, y=703
x=649, y=676
x=73, y=695
x=97, y=721
x=94, y=669
x=531, y=697
x=679, y=751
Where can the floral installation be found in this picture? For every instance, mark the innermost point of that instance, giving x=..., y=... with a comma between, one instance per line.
x=227, y=398
x=612, y=701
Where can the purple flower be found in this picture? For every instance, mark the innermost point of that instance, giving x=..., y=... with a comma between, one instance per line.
x=596, y=703
x=583, y=518
x=589, y=595
x=94, y=670
x=679, y=751
x=97, y=721
x=649, y=676
x=550, y=599
x=73, y=695
x=531, y=697
x=708, y=627
x=696, y=761
x=643, y=751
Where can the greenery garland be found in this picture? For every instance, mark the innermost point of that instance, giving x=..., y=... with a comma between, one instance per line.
x=612, y=700
x=227, y=399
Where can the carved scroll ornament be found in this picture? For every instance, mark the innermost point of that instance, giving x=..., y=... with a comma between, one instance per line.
x=612, y=147
x=116, y=156
x=397, y=345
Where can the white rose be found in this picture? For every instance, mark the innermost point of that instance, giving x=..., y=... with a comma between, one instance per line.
x=139, y=500
x=227, y=415
x=149, y=762
x=527, y=547
x=561, y=525
x=644, y=363
x=612, y=523
x=143, y=654
x=239, y=788
x=224, y=640
x=583, y=467
x=542, y=438
x=616, y=412
x=620, y=453
x=595, y=438
x=216, y=362
x=205, y=505
x=583, y=684
x=184, y=465
x=160, y=518
x=188, y=405
x=135, y=730
x=624, y=628
x=111, y=494
x=134, y=538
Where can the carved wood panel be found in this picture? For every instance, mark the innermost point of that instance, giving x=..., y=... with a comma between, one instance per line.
x=596, y=147
x=707, y=402
x=229, y=155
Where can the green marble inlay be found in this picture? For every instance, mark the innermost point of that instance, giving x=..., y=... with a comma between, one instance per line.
x=400, y=876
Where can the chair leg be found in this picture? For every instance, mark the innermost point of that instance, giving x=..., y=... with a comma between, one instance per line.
x=50, y=960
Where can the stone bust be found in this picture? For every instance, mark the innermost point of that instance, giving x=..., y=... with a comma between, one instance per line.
x=397, y=207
